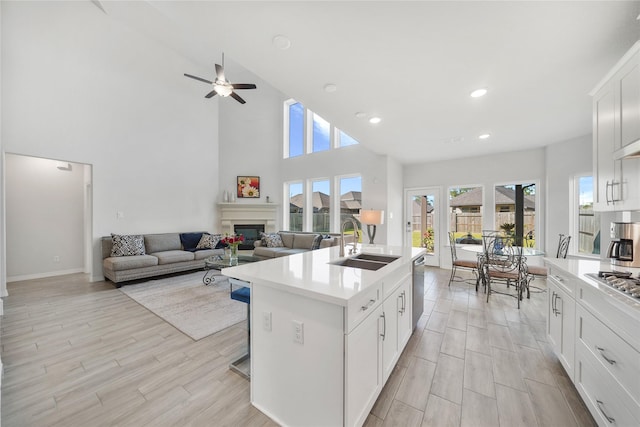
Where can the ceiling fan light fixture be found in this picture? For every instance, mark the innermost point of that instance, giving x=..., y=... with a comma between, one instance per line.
x=223, y=90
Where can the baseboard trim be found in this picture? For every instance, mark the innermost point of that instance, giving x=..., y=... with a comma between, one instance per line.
x=43, y=275
x=97, y=279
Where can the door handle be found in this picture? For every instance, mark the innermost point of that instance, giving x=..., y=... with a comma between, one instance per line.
x=384, y=326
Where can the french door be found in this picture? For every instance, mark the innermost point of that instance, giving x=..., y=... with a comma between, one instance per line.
x=422, y=222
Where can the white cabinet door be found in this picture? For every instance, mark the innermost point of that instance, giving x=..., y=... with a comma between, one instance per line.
x=363, y=380
x=405, y=314
x=608, y=187
x=561, y=325
x=389, y=333
x=627, y=82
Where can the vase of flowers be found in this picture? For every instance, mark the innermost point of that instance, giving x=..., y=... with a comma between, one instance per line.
x=233, y=242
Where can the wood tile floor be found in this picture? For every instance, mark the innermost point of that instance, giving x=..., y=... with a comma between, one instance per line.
x=84, y=354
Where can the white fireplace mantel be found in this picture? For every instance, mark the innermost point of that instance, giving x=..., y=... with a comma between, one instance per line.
x=248, y=213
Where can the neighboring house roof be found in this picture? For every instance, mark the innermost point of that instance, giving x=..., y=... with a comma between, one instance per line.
x=321, y=201
x=416, y=208
x=503, y=196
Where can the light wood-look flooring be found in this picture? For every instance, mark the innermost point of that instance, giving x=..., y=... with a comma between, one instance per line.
x=84, y=354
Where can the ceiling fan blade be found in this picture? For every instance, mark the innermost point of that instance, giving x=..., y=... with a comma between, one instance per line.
x=237, y=98
x=211, y=94
x=198, y=78
x=243, y=86
x=220, y=72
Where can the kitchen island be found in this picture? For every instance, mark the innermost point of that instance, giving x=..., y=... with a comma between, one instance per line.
x=325, y=337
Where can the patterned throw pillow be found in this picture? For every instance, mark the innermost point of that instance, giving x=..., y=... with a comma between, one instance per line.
x=272, y=240
x=209, y=241
x=127, y=244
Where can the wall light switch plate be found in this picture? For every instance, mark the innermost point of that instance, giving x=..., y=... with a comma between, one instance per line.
x=266, y=320
x=298, y=332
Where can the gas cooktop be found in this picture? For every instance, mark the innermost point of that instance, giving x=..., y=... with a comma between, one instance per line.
x=620, y=281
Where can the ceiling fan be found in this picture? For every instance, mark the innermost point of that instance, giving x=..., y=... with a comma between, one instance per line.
x=221, y=86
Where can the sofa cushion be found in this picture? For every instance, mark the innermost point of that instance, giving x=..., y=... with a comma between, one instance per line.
x=129, y=262
x=262, y=251
x=208, y=241
x=169, y=257
x=162, y=242
x=190, y=241
x=287, y=239
x=272, y=240
x=287, y=252
x=305, y=241
x=328, y=242
x=127, y=245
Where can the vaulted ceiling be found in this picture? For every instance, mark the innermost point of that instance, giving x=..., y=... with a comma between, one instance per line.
x=413, y=64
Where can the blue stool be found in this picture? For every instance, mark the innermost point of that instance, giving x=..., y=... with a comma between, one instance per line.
x=243, y=295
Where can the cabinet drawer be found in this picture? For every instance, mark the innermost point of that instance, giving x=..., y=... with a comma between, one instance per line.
x=395, y=279
x=362, y=305
x=562, y=279
x=614, y=354
x=611, y=311
x=607, y=401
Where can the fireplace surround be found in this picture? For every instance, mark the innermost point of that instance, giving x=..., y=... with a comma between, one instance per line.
x=248, y=214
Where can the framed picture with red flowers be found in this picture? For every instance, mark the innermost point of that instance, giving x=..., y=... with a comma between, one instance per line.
x=249, y=186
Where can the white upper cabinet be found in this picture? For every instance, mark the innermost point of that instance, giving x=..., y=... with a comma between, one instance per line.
x=616, y=136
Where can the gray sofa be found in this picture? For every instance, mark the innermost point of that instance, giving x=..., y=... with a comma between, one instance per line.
x=163, y=254
x=295, y=242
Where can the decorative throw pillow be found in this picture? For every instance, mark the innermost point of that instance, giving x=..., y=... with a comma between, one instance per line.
x=127, y=244
x=190, y=241
x=272, y=240
x=208, y=241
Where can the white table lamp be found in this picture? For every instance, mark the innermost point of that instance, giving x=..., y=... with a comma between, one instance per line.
x=371, y=218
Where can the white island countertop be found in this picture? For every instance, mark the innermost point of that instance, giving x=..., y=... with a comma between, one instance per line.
x=310, y=274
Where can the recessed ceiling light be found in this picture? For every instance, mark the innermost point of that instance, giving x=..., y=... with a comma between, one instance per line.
x=360, y=115
x=375, y=120
x=330, y=87
x=484, y=136
x=281, y=42
x=479, y=92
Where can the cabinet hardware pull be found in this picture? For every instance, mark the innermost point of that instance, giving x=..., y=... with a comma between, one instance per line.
x=404, y=301
x=384, y=326
x=610, y=419
x=606, y=192
x=558, y=278
x=553, y=302
x=558, y=298
x=601, y=350
x=369, y=304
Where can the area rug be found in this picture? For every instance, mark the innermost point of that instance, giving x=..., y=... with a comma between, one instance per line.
x=186, y=303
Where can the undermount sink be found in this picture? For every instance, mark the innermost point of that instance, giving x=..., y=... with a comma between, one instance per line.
x=386, y=259
x=371, y=262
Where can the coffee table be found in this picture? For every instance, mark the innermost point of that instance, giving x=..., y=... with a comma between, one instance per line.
x=216, y=263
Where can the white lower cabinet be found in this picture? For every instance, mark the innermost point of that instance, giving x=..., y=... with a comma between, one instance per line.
x=396, y=326
x=595, y=338
x=561, y=308
x=363, y=376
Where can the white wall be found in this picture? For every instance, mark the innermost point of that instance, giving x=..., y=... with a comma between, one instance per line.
x=486, y=171
x=251, y=138
x=45, y=217
x=79, y=85
x=395, y=204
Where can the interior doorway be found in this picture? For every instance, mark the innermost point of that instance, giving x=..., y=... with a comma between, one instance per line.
x=423, y=222
x=48, y=215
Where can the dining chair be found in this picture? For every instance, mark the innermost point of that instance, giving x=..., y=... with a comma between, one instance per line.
x=536, y=271
x=461, y=263
x=505, y=263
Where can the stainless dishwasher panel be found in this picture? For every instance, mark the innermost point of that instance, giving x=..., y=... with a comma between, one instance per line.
x=418, y=289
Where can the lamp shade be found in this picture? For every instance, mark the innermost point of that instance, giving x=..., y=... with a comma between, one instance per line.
x=371, y=216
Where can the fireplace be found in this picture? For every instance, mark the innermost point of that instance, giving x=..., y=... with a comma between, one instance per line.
x=251, y=233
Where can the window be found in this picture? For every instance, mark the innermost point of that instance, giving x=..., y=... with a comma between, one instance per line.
x=306, y=132
x=506, y=214
x=296, y=206
x=465, y=214
x=350, y=199
x=321, y=134
x=345, y=140
x=296, y=129
x=321, y=200
x=587, y=226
